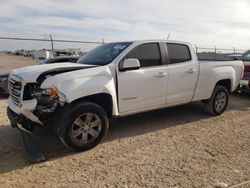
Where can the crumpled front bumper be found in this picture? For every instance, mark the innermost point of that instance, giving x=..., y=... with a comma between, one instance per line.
x=32, y=148
x=23, y=117
x=20, y=121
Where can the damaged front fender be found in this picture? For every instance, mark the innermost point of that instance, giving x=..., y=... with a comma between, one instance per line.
x=82, y=83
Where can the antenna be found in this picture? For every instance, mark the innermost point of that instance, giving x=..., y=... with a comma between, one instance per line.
x=168, y=36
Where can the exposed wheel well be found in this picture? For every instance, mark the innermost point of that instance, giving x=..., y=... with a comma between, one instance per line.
x=102, y=99
x=226, y=83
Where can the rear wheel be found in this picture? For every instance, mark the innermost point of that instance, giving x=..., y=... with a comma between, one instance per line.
x=218, y=102
x=87, y=126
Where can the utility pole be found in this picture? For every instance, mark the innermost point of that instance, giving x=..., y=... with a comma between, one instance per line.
x=168, y=36
x=215, y=53
x=52, y=44
x=234, y=50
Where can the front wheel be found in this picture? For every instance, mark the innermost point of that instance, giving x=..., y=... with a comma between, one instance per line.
x=218, y=102
x=87, y=126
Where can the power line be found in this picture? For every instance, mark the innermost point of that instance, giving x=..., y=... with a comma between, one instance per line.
x=95, y=42
x=49, y=40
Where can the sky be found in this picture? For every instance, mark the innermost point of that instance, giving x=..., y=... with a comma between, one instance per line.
x=221, y=23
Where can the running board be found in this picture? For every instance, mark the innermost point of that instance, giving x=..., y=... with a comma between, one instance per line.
x=33, y=151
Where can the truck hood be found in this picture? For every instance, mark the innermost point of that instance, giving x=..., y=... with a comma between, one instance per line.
x=30, y=74
x=77, y=84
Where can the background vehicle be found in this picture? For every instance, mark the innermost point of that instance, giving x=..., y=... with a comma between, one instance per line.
x=245, y=82
x=4, y=83
x=113, y=80
x=233, y=57
x=61, y=59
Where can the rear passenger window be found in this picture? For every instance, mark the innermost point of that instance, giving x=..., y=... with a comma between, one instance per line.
x=147, y=54
x=178, y=53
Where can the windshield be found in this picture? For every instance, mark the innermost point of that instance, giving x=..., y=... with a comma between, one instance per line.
x=104, y=54
x=246, y=56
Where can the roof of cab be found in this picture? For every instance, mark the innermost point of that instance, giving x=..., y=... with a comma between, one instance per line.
x=157, y=40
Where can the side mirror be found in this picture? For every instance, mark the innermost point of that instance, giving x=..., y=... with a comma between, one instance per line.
x=129, y=64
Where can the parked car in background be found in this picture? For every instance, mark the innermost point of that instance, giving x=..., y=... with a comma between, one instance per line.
x=233, y=57
x=245, y=81
x=4, y=83
x=61, y=59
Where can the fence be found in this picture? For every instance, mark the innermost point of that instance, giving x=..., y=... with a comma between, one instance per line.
x=46, y=42
x=204, y=53
x=215, y=53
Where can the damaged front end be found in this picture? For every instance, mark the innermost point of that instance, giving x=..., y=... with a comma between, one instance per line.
x=30, y=106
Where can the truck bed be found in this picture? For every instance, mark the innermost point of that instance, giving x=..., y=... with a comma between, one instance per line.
x=209, y=73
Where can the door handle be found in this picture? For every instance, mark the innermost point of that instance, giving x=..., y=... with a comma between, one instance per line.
x=161, y=74
x=191, y=70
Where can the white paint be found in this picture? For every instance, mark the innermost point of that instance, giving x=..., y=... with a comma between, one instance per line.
x=138, y=90
x=26, y=109
x=31, y=73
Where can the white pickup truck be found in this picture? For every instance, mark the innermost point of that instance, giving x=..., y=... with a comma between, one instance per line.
x=114, y=80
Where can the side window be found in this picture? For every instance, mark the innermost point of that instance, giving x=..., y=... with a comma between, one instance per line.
x=147, y=54
x=178, y=53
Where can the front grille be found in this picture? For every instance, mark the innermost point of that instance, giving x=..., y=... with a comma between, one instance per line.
x=246, y=75
x=15, y=90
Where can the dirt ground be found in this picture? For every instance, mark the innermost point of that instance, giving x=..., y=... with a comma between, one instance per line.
x=9, y=62
x=176, y=147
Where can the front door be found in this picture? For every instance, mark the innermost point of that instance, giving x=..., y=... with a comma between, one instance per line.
x=146, y=87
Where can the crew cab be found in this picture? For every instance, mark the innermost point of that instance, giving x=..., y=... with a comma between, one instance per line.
x=114, y=80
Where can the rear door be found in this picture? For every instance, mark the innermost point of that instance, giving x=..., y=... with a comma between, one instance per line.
x=183, y=74
x=146, y=87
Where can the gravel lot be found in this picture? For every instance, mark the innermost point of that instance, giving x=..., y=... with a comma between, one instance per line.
x=176, y=147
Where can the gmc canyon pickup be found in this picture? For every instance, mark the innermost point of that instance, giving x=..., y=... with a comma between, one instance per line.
x=113, y=80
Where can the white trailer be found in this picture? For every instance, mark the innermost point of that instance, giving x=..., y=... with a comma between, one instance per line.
x=42, y=54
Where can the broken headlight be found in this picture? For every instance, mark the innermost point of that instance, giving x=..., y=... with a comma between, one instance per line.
x=47, y=100
x=47, y=92
x=50, y=92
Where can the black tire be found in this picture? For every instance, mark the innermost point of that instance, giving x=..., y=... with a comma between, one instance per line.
x=214, y=106
x=68, y=125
